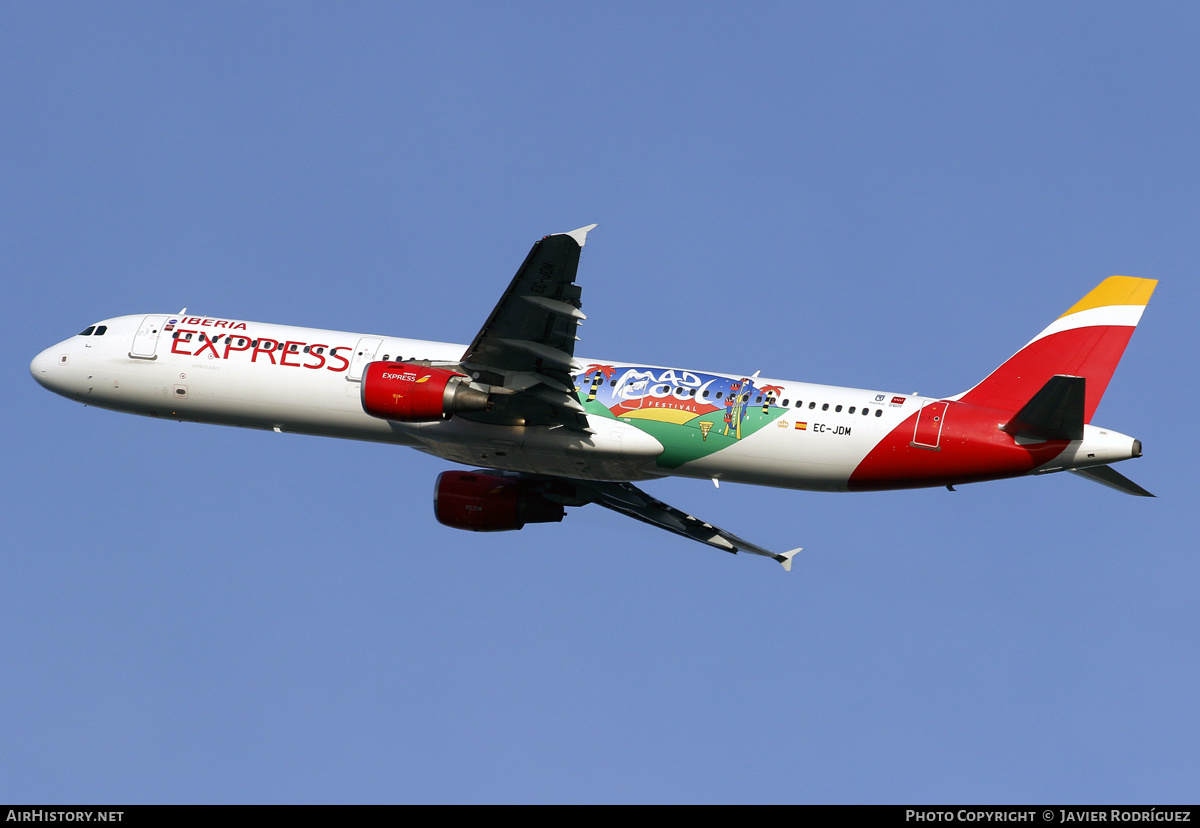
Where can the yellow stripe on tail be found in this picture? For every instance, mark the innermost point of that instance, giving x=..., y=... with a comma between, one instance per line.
x=1116, y=290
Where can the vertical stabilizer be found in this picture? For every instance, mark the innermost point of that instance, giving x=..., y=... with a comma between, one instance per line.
x=1087, y=341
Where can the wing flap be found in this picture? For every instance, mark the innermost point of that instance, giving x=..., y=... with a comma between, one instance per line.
x=527, y=345
x=533, y=311
x=629, y=500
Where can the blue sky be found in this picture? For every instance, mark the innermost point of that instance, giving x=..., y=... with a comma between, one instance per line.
x=890, y=196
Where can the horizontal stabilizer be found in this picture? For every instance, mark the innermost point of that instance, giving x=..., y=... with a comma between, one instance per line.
x=1053, y=413
x=1108, y=476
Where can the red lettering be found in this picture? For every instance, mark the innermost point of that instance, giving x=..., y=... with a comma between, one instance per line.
x=179, y=338
x=231, y=345
x=287, y=349
x=240, y=325
x=261, y=348
x=333, y=354
x=313, y=353
x=220, y=323
x=206, y=323
x=209, y=343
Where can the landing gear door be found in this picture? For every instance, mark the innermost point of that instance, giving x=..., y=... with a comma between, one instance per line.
x=364, y=354
x=145, y=341
x=930, y=421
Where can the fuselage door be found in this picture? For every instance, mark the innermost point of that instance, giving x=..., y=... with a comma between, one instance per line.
x=364, y=354
x=930, y=421
x=145, y=341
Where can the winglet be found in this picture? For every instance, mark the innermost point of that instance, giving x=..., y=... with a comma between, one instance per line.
x=580, y=235
x=786, y=558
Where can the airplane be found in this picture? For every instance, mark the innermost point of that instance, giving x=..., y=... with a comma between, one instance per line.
x=545, y=431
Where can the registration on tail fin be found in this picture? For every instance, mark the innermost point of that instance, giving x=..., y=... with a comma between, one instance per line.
x=1087, y=341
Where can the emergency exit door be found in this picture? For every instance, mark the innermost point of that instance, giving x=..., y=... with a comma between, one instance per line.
x=930, y=421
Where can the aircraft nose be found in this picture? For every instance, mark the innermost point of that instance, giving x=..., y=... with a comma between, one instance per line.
x=44, y=365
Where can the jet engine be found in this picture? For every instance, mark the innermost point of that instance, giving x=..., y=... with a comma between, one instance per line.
x=417, y=394
x=483, y=502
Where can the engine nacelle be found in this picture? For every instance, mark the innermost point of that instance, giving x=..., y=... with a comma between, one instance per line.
x=417, y=394
x=489, y=503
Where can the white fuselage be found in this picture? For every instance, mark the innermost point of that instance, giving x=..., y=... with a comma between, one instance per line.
x=307, y=381
x=217, y=380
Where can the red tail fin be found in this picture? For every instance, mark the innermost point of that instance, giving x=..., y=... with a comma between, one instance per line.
x=1086, y=341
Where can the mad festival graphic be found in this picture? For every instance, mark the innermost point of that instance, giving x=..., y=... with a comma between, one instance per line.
x=693, y=415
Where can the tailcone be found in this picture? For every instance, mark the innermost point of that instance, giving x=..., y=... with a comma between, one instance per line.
x=1099, y=447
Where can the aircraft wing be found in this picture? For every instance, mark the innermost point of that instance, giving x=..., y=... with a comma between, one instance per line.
x=527, y=345
x=629, y=500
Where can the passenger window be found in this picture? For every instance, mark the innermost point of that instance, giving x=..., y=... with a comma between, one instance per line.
x=812, y=404
x=799, y=403
x=706, y=393
x=825, y=407
x=718, y=395
x=307, y=347
x=838, y=409
x=88, y=331
x=866, y=411
x=785, y=402
x=612, y=383
x=758, y=399
x=878, y=412
x=851, y=410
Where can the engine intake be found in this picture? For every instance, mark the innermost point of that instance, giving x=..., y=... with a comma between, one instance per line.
x=482, y=502
x=410, y=393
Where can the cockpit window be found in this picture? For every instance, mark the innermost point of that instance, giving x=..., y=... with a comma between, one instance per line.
x=88, y=331
x=101, y=329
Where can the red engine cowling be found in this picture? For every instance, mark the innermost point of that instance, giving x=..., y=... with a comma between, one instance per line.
x=417, y=394
x=489, y=503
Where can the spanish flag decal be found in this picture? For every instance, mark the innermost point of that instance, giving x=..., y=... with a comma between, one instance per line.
x=801, y=426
